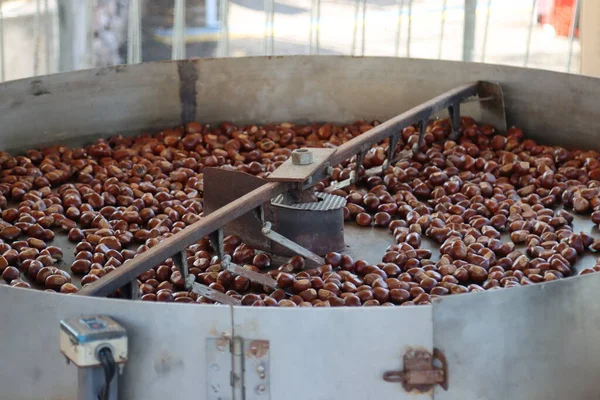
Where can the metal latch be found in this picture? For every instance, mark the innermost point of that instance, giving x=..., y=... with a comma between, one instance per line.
x=419, y=373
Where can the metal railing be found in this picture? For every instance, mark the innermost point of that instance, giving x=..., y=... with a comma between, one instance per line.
x=78, y=27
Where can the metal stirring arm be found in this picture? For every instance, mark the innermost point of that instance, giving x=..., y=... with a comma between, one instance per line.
x=168, y=247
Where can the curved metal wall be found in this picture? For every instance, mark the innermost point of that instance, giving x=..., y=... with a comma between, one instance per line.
x=549, y=106
x=339, y=352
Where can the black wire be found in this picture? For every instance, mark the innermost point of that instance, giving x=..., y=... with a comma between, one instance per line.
x=108, y=364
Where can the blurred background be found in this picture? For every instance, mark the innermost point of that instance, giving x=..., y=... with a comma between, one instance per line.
x=47, y=36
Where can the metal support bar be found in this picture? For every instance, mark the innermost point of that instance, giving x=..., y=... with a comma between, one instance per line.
x=364, y=28
x=442, y=28
x=469, y=29
x=134, y=33
x=269, y=6
x=315, y=26
x=248, y=274
x=178, y=44
x=48, y=38
x=214, y=295
x=131, y=290
x=188, y=236
x=224, y=38
x=216, y=240
x=89, y=55
x=422, y=128
x=180, y=260
x=454, y=112
x=530, y=33
x=393, y=143
x=485, y=31
x=91, y=381
x=2, y=65
x=572, y=32
x=212, y=20
x=37, y=34
x=399, y=28
x=355, y=27
x=364, y=142
x=409, y=32
x=282, y=240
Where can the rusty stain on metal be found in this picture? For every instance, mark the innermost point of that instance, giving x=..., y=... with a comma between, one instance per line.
x=258, y=348
x=223, y=342
x=419, y=372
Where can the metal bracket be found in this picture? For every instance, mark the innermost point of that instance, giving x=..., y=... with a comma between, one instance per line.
x=219, y=363
x=238, y=368
x=454, y=112
x=131, y=290
x=214, y=295
x=246, y=273
x=216, y=240
x=419, y=372
x=257, y=372
x=180, y=260
x=422, y=129
x=282, y=240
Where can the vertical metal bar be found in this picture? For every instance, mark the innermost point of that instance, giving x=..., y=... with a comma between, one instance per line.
x=364, y=27
x=37, y=35
x=355, y=30
x=224, y=38
x=311, y=26
x=399, y=27
x=55, y=29
x=266, y=4
x=178, y=44
x=529, y=33
x=134, y=33
x=89, y=54
x=315, y=22
x=74, y=17
x=47, y=36
x=572, y=33
x=442, y=28
x=272, y=27
x=269, y=38
x=212, y=19
x=2, y=76
x=469, y=29
x=318, y=30
x=485, y=32
x=409, y=33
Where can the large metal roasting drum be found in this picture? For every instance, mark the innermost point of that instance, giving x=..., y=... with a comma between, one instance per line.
x=536, y=341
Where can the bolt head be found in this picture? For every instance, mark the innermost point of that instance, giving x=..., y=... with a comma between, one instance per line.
x=302, y=157
x=261, y=389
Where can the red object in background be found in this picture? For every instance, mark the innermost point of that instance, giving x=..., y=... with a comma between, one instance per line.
x=558, y=14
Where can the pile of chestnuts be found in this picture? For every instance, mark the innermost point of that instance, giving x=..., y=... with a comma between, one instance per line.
x=499, y=206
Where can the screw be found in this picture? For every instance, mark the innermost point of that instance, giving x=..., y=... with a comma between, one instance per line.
x=260, y=369
x=215, y=367
x=261, y=389
x=215, y=388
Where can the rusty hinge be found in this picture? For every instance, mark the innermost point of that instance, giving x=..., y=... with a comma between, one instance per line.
x=419, y=372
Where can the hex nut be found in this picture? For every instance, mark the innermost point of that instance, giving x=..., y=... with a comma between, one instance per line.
x=302, y=157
